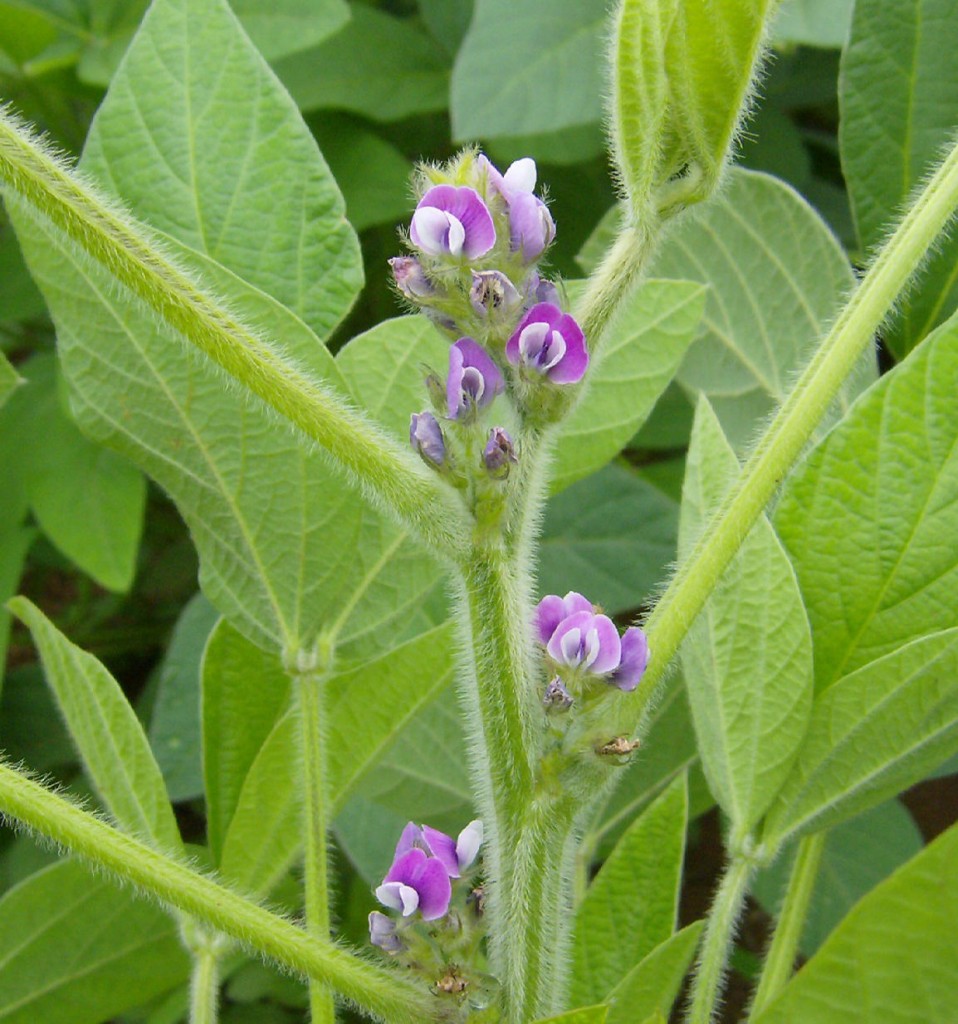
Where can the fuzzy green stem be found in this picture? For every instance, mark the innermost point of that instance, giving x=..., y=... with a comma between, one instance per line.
x=312, y=700
x=780, y=959
x=379, y=992
x=792, y=427
x=717, y=941
x=388, y=473
x=204, y=987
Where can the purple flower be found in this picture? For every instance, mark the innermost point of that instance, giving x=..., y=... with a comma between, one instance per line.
x=416, y=882
x=538, y=289
x=586, y=641
x=632, y=663
x=499, y=453
x=531, y=226
x=474, y=379
x=492, y=292
x=425, y=436
x=382, y=933
x=551, y=610
x=455, y=854
x=557, y=696
x=550, y=343
x=452, y=220
x=410, y=278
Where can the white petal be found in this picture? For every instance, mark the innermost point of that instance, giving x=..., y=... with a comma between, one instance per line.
x=428, y=229
x=468, y=843
x=398, y=896
x=521, y=176
x=457, y=234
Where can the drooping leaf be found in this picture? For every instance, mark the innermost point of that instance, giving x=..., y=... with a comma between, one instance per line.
x=610, y=536
x=643, y=349
x=106, y=731
x=777, y=276
x=653, y=985
x=898, y=104
x=858, y=854
x=824, y=23
x=876, y=731
x=380, y=66
x=865, y=517
x=747, y=659
x=175, y=721
x=893, y=957
x=631, y=905
x=78, y=950
x=523, y=68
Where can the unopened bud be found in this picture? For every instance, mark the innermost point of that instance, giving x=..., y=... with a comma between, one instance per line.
x=410, y=278
x=492, y=293
x=557, y=697
x=425, y=436
x=499, y=453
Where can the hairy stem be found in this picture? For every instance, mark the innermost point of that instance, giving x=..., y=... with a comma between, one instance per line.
x=379, y=992
x=386, y=471
x=204, y=987
x=716, y=942
x=780, y=959
x=312, y=700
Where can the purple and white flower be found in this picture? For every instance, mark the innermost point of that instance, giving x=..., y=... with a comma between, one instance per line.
x=586, y=641
x=531, y=226
x=493, y=293
x=382, y=933
x=416, y=881
x=551, y=610
x=455, y=854
x=452, y=220
x=474, y=379
x=551, y=343
x=425, y=436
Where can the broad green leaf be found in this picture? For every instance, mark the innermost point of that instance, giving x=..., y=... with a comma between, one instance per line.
x=747, y=659
x=106, y=731
x=633, y=900
x=196, y=148
x=89, y=501
x=175, y=721
x=643, y=349
x=523, y=69
x=15, y=541
x=777, y=276
x=31, y=728
x=858, y=854
x=10, y=380
x=19, y=297
x=383, y=67
x=824, y=23
x=653, y=985
x=876, y=731
x=893, y=958
x=75, y=949
x=584, y=1015
x=611, y=536
x=447, y=20
x=898, y=102
x=865, y=517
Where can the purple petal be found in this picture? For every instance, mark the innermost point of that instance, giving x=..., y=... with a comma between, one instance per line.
x=434, y=889
x=468, y=843
x=410, y=278
x=557, y=696
x=575, y=362
x=536, y=344
x=635, y=657
x=442, y=847
x=406, y=867
x=586, y=640
x=465, y=388
x=442, y=212
x=551, y=610
x=407, y=840
x=531, y=226
x=492, y=292
x=425, y=436
x=499, y=453
x=382, y=933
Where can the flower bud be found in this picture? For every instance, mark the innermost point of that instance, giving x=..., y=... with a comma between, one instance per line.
x=425, y=436
x=474, y=380
x=492, y=294
x=382, y=933
x=411, y=279
x=499, y=453
x=557, y=697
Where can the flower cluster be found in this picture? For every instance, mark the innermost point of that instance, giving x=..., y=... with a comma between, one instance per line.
x=583, y=644
x=420, y=879
x=477, y=236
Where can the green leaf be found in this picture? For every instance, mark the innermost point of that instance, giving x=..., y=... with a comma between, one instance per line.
x=383, y=67
x=19, y=296
x=653, y=985
x=864, y=517
x=747, y=659
x=893, y=957
x=31, y=728
x=777, y=277
x=89, y=501
x=196, y=147
x=584, y=1015
x=873, y=733
x=823, y=23
x=447, y=20
x=542, y=74
x=15, y=541
x=106, y=731
x=898, y=99
x=611, y=536
x=858, y=854
x=175, y=721
x=644, y=348
x=78, y=950
x=10, y=380
x=631, y=906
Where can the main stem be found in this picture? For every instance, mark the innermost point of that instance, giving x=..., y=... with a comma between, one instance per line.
x=780, y=959
x=312, y=699
x=716, y=942
x=384, y=994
